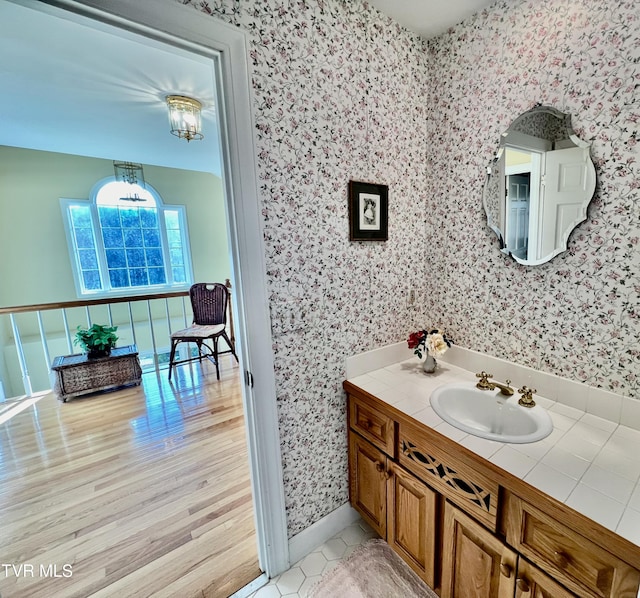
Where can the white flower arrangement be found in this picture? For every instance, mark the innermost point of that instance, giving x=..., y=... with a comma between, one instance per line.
x=433, y=342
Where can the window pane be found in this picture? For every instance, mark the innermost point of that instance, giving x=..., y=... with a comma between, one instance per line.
x=109, y=217
x=88, y=259
x=157, y=276
x=116, y=258
x=112, y=237
x=84, y=238
x=151, y=237
x=119, y=278
x=129, y=217
x=91, y=280
x=148, y=218
x=80, y=216
x=132, y=237
x=135, y=258
x=175, y=238
x=154, y=257
x=179, y=275
x=171, y=218
x=177, y=259
x=138, y=277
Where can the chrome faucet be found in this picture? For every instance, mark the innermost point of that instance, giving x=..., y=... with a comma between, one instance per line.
x=486, y=384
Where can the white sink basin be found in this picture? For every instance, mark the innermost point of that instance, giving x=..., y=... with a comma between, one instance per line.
x=488, y=414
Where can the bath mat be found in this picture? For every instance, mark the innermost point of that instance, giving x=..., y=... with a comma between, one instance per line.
x=373, y=570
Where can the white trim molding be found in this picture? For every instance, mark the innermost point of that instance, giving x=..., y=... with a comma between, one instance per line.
x=185, y=28
x=322, y=530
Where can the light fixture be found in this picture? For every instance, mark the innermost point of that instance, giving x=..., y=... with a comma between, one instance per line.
x=184, y=116
x=133, y=175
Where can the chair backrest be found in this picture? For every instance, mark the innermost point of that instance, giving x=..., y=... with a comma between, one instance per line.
x=209, y=303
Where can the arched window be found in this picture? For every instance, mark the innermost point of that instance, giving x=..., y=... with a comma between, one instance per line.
x=122, y=242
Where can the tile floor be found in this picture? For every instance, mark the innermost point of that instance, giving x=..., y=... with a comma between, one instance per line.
x=296, y=582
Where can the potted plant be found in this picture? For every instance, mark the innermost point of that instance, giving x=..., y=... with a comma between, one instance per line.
x=96, y=341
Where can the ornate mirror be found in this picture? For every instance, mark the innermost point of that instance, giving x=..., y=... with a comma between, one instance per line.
x=538, y=186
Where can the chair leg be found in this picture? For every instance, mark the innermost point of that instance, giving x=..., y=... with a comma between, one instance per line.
x=231, y=345
x=215, y=356
x=174, y=344
x=199, y=343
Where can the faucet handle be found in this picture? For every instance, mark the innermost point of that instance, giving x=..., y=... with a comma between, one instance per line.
x=483, y=383
x=484, y=374
x=526, y=400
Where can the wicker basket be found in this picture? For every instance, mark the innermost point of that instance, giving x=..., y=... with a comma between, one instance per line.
x=78, y=375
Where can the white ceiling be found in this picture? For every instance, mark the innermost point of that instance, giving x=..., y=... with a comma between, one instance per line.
x=71, y=87
x=74, y=86
x=430, y=17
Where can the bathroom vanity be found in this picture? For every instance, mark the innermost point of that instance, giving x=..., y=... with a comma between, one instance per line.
x=466, y=526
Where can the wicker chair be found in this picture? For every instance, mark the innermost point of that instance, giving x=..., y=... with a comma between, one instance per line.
x=209, y=302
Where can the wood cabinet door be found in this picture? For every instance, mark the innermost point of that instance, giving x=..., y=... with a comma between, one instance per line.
x=531, y=582
x=411, y=522
x=368, y=482
x=475, y=564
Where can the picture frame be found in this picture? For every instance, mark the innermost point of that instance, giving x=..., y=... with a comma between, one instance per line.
x=368, y=211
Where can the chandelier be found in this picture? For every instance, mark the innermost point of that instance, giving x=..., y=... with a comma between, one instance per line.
x=132, y=175
x=184, y=117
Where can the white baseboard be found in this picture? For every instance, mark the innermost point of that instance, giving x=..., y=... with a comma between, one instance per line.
x=317, y=534
x=251, y=588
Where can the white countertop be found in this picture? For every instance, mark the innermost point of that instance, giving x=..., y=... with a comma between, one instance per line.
x=590, y=464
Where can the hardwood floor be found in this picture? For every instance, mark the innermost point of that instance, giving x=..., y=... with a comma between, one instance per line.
x=140, y=492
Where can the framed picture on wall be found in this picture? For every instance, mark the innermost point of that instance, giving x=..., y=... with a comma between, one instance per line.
x=368, y=211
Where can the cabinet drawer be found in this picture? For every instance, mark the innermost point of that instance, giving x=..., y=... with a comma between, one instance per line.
x=572, y=559
x=371, y=423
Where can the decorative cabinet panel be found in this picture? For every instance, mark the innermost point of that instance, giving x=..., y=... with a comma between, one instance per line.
x=475, y=564
x=465, y=486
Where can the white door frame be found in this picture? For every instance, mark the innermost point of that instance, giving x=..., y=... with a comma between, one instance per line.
x=179, y=25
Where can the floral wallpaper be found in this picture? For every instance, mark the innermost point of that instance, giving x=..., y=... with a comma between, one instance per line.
x=543, y=124
x=342, y=92
x=577, y=316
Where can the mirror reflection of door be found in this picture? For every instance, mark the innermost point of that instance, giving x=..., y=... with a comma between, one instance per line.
x=518, y=197
x=567, y=179
x=522, y=193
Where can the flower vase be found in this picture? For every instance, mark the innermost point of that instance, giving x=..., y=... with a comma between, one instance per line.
x=429, y=364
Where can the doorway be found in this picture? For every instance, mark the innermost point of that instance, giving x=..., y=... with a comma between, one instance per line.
x=186, y=31
x=517, y=225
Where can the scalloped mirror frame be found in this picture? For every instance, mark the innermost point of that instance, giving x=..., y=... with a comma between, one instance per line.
x=559, y=182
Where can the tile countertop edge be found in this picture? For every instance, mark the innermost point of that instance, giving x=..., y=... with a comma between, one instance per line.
x=583, y=464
